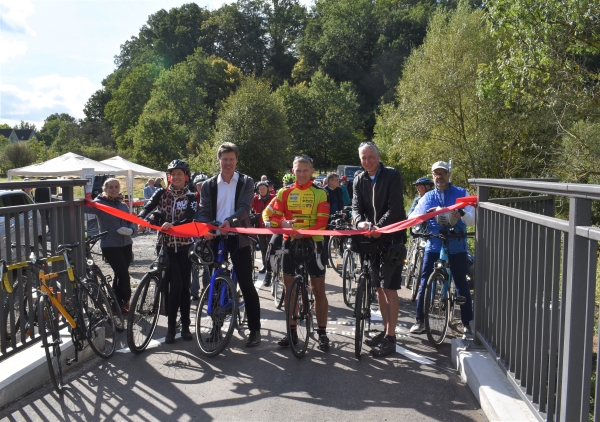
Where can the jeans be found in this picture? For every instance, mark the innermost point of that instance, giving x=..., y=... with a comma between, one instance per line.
x=459, y=265
x=119, y=259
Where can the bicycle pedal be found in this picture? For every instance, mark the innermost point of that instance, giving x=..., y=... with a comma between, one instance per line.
x=69, y=361
x=460, y=300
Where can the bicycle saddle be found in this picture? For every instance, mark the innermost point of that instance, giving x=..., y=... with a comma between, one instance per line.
x=66, y=246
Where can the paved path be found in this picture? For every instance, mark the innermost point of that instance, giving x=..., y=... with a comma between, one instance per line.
x=174, y=382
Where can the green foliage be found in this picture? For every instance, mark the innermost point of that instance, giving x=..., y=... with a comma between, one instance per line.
x=17, y=154
x=324, y=120
x=254, y=119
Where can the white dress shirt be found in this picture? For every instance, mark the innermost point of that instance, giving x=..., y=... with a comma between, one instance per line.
x=226, y=197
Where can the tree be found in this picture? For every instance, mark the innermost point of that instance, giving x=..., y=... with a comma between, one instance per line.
x=25, y=125
x=439, y=114
x=324, y=120
x=52, y=125
x=17, y=154
x=254, y=119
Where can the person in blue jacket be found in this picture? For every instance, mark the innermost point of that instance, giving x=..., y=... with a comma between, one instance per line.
x=424, y=185
x=444, y=195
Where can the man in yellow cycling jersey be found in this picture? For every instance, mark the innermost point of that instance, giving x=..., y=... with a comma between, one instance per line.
x=303, y=206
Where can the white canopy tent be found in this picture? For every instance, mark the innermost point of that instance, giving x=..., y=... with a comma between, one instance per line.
x=133, y=170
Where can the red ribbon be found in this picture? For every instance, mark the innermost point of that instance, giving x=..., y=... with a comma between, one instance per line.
x=196, y=229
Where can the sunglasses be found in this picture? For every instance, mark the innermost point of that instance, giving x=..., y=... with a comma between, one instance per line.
x=371, y=143
x=306, y=157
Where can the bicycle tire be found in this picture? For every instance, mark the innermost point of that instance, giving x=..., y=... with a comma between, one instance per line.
x=336, y=253
x=51, y=341
x=416, y=276
x=407, y=270
x=436, y=309
x=214, y=331
x=349, y=277
x=97, y=319
x=297, y=305
x=361, y=309
x=278, y=286
x=241, y=312
x=144, y=312
x=96, y=275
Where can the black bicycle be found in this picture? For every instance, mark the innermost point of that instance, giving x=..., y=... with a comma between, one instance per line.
x=95, y=273
x=335, y=248
x=413, y=267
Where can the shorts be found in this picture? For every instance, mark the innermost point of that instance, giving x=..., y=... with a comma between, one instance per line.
x=291, y=269
x=391, y=275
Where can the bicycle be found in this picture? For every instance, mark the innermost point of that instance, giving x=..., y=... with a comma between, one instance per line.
x=300, y=303
x=277, y=285
x=335, y=248
x=87, y=311
x=413, y=267
x=221, y=307
x=95, y=273
x=350, y=273
x=440, y=294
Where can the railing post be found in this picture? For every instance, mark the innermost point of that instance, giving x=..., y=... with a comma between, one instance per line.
x=574, y=406
x=480, y=261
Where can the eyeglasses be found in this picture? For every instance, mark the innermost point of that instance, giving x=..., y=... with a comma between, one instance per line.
x=306, y=157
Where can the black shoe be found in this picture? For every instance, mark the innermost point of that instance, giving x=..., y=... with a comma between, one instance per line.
x=267, y=280
x=186, y=334
x=253, y=339
x=375, y=340
x=263, y=270
x=323, y=342
x=285, y=341
x=384, y=348
x=170, y=337
x=194, y=297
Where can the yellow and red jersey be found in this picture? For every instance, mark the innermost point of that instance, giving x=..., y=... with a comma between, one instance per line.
x=307, y=204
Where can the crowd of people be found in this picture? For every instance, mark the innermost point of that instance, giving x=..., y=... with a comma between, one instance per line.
x=232, y=199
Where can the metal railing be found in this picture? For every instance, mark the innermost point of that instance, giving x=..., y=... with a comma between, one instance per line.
x=534, y=301
x=40, y=228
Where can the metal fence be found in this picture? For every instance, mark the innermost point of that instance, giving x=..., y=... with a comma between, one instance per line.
x=534, y=302
x=37, y=228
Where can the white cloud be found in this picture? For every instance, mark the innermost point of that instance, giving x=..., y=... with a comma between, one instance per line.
x=44, y=96
x=14, y=15
x=11, y=49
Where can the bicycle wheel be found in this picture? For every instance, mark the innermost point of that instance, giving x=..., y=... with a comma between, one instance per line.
x=351, y=264
x=143, y=312
x=408, y=267
x=51, y=341
x=98, y=321
x=336, y=253
x=278, y=286
x=96, y=275
x=298, y=314
x=241, y=312
x=436, y=309
x=214, y=327
x=362, y=312
x=416, y=276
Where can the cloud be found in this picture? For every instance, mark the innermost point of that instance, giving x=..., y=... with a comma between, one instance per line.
x=44, y=96
x=11, y=49
x=13, y=16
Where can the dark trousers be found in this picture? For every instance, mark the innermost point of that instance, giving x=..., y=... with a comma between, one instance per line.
x=119, y=259
x=242, y=263
x=180, y=274
x=459, y=265
x=263, y=241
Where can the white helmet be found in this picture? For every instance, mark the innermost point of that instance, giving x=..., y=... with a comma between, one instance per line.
x=448, y=219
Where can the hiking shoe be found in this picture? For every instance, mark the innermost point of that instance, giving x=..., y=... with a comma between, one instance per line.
x=186, y=334
x=323, y=342
x=384, y=348
x=267, y=280
x=262, y=270
x=285, y=341
x=418, y=328
x=253, y=339
x=375, y=340
x=170, y=337
x=467, y=333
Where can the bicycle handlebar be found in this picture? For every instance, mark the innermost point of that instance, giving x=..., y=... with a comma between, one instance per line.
x=444, y=235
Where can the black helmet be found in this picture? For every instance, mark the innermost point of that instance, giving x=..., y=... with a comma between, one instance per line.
x=201, y=253
x=301, y=249
x=179, y=164
x=424, y=181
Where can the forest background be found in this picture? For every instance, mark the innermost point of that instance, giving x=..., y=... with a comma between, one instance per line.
x=506, y=88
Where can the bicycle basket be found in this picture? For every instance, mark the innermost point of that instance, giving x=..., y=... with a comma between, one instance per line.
x=201, y=253
x=4, y=281
x=365, y=245
x=395, y=254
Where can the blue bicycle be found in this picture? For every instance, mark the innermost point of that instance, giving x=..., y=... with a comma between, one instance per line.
x=221, y=307
x=440, y=294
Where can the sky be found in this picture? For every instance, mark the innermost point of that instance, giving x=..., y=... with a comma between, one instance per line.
x=54, y=54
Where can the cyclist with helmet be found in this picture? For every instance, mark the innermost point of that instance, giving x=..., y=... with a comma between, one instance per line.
x=179, y=206
x=424, y=185
x=444, y=195
x=195, y=289
x=303, y=206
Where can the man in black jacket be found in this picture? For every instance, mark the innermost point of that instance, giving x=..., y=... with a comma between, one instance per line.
x=227, y=197
x=378, y=202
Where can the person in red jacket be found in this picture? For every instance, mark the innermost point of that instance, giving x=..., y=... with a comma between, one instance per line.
x=260, y=202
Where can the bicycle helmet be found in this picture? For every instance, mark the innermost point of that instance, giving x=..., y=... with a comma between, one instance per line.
x=201, y=253
x=301, y=249
x=201, y=178
x=448, y=219
x=424, y=181
x=179, y=164
x=265, y=184
x=288, y=179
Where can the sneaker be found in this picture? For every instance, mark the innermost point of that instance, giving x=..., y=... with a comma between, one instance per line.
x=253, y=339
x=285, y=341
x=467, y=333
x=323, y=342
x=263, y=270
x=170, y=337
x=267, y=280
x=375, y=340
x=384, y=348
x=418, y=328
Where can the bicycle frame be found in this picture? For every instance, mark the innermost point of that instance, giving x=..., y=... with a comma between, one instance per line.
x=224, y=299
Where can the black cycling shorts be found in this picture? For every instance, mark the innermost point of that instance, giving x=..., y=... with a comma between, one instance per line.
x=391, y=275
x=291, y=269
